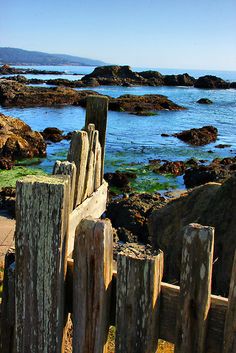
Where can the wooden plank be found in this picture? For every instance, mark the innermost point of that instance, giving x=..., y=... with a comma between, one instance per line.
x=137, y=301
x=7, y=323
x=168, y=312
x=42, y=212
x=78, y=153
x=97, y=160
x=96, y=113
x=92, y=286
x=230, y=322
x=195, y=289
x=93, y=206
x=67, y=168
x=89, y=178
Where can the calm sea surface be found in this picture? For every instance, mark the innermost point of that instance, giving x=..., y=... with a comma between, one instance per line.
x=132, y=140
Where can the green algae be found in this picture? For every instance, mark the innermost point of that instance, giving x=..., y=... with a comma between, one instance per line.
x=8, y=178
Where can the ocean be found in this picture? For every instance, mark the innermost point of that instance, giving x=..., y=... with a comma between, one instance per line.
x=132, y=141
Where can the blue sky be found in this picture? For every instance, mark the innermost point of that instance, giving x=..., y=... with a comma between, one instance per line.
x=197, y=34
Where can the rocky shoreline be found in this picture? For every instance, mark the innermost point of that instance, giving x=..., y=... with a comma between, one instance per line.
x=119, y=76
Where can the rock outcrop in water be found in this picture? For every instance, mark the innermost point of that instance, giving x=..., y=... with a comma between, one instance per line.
x=17, y=141
x=212, y=82
x=123, y=75
x=13, y=93
x=211, y=204
x=198, y=137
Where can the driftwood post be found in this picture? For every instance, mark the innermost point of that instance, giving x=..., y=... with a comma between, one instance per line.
x=7, y=323
x=96, y=113
x=92, y=286
x=230, y=321
x=195, y=289
x=42, y=212
x=137, y=302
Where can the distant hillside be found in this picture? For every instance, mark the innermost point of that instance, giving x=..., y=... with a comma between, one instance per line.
x=14, y=56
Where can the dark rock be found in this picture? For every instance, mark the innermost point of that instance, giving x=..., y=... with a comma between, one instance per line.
x=232, y=85
x=18, y=141
x=119, y=179
x=222, y=145
x=126, y=235
x=6, y=163
x=217, y=171
x=165, y=135
x=52, y=134
x=175, y=168
x=131, y=213
x=204, y=101
x=198, y=137
x=147, y=102
x=179, y=80
x=212, y=82
x=210, y=204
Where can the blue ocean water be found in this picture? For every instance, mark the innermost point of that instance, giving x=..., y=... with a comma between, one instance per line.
x=134, y=140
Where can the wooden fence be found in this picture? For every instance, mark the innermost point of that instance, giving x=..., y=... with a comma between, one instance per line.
x=64, y=263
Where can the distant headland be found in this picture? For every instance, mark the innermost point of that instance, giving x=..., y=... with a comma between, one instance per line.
x=15, y=56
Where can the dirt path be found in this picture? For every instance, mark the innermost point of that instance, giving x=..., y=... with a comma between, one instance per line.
x=7, y=229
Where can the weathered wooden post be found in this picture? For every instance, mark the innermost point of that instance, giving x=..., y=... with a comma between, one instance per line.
x=195, y=289
x=78, y=153
x=92, y=286
x=137, y=301
x=42, y=212
x=230, y=321
x=96, y=113
x=7, y=323
x=67, y=168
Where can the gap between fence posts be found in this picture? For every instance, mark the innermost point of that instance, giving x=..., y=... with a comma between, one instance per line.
x=92, y=285
x=42, y=213
x=195, y=289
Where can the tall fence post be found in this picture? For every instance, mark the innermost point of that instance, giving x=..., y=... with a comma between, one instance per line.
x=96, y=113
x=137, y=301
x=195, y=289
x=92, y=286
x=42, y=212
x=230, y=321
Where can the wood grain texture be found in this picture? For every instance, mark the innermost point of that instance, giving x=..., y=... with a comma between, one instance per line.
x=7, y=323
x=67, y=168
x=98, y=161
x=89, y=178
x=78, y=153
x=93, y=206
x=137, y=303
x=96, y=113
x=195, y=289
x=230, y=322
x=42, y=212
x=92, y=286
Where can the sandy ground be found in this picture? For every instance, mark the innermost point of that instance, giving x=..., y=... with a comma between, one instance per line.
x=7, y=229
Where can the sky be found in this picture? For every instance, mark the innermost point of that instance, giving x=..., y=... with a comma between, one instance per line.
x=184, y=34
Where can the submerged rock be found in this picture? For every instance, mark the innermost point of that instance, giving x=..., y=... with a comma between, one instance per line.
x=175, y=168
x=18, y=140
x=211, y=204
x=119, y=179
x=204, y=101
x=198, y=137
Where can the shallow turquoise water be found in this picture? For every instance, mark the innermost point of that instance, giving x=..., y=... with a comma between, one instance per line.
x=135, y=140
